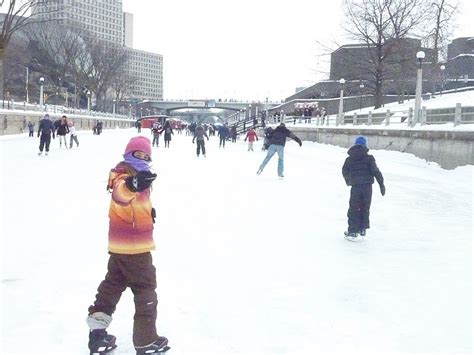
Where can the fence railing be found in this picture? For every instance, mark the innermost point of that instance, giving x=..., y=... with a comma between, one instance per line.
x=56, y=109
x=457, y=115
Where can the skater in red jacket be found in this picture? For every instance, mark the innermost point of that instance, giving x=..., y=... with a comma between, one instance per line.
x=252, y=137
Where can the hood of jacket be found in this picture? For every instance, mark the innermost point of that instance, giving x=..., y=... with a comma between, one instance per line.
x=358, y=151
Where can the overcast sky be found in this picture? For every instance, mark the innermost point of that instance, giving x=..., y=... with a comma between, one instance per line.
x=245, y=49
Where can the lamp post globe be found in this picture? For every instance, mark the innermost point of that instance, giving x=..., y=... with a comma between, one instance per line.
x=420, y=55
x=442, y=68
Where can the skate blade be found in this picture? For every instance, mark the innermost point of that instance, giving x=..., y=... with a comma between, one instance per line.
x=106, y=350
x=159, y=351
x=352, y=239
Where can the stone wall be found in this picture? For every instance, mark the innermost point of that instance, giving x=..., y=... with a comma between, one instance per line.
x=449, y=149
x=13, y=122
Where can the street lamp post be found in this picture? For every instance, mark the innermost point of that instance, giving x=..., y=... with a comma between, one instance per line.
x=340, y=119
x=27, y=80
x=442, y=68
x=88, y=93
x=41, y=81
x=420, y=56
x=361, y=86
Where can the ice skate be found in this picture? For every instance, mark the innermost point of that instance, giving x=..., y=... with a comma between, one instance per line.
x=39, y=153
x=351, y=236
x=158, y=347
x=100, y=342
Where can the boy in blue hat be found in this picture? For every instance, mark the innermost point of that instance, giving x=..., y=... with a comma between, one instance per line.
x=359, y=171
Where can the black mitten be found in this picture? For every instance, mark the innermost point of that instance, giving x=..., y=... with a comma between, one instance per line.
x=382, y=190
x=141, y=181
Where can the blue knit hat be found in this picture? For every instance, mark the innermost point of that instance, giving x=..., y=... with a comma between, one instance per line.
x=361, y=140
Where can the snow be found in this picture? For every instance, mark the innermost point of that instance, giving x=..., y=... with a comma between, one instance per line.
x=246, y=264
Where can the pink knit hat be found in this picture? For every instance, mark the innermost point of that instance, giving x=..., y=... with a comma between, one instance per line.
x=139, y=143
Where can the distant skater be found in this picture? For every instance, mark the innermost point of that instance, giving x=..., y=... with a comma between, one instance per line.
x=46, y=129
x=168, y=132
x=252, y=137
x=277, y=145
x=199, y=135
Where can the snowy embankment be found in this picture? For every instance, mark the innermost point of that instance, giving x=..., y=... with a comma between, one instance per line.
x=246, y=264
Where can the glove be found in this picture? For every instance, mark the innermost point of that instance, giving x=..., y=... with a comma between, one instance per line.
x=54, y=136
x=38, y=134
x=299, y=142
x=193, y=141
x=382, y=190
x=141, y=181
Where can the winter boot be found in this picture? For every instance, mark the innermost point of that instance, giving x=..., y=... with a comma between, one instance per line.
x=100, y=342
x=362, y=232
x=158, y=347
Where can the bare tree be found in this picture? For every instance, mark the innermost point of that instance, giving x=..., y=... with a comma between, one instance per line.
x=121, y=85
x=380, y=24
x=54, y=49
x=103, y=63
x=17, y=16
x=441, y=15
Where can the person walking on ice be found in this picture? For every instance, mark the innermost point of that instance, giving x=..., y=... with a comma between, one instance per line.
x=359, y=171
x=130, y=264
x=277, y=145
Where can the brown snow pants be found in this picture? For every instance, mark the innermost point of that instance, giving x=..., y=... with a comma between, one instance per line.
x=138, y=273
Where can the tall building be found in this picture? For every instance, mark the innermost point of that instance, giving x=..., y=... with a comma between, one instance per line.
x=106, y=21
x=147, y=69
x=103, y=18
x=128, y=30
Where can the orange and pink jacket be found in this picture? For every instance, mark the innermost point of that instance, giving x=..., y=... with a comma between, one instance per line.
x=130, y=219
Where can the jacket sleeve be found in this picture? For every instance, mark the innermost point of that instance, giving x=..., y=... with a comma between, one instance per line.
x=346, y=173
x=375, y=171
x=294, y=137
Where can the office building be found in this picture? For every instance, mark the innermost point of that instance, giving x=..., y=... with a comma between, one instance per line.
x=105, y=20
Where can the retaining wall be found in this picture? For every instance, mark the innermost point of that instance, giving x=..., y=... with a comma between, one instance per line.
x=16, y=122
x=449, y=149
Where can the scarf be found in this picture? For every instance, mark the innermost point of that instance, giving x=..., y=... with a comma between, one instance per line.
x=137, y=164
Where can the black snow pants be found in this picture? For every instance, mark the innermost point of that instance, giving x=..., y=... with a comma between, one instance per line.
x=138, y=273
x=200, y=145
x=359, y=208
x=45, y=140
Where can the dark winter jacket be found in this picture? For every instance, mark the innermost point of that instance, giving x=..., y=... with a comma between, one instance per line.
x=360, y=167
x=223, y=132
x=63, y=129
x=46, y=127
x=280, y=134
x=199, y=134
